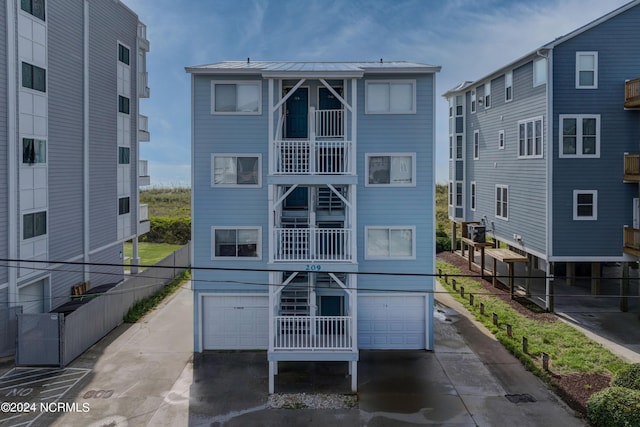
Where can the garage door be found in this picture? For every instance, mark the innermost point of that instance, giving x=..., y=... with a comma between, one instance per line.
x=391, y=322
x=31, y=297
x=235, y=322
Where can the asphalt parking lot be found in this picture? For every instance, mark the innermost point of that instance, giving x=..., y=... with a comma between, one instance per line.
x=146, y=375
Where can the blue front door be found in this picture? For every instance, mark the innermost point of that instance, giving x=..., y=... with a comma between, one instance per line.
x=327, y=101
x=331, y=305
x=297, y=114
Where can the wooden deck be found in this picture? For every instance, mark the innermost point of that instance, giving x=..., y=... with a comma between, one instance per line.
x=509, y=257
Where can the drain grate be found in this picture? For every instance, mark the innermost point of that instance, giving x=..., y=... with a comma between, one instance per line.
x=520, y=398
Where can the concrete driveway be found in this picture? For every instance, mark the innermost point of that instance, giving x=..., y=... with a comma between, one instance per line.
x=146, y=375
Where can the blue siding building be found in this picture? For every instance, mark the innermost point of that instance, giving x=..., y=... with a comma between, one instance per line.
x=537, y=149
x=313, y=203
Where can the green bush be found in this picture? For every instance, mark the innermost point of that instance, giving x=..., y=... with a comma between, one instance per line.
x=176, y=231
x=441, y=233
x=628, y=376
x=614, y=407
x=443, y=244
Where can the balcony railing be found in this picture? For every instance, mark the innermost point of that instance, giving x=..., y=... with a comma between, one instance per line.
x=632, y=241
x=312, y=244
x=329, y=123
x=313, y=158
x=143, y=43
x=143, y=84
x=632, y=93
x=144, y=213
x=632, y=167
x=313, y=333
x=143, y=128
x=143, y=173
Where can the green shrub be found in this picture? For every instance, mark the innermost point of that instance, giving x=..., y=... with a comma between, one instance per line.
x=628, y=376
x=176, y=231
x=441, y=233
x=443, y=244
x=614, y=407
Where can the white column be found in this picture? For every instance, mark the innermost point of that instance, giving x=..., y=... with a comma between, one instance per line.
x=135, y=258
x=12, y=152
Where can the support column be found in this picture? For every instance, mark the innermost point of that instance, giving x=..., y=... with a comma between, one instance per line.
x=527, y=281
x=571, y=273
x=624, y=288
x=135, y=258
x=549, y=288
x=595, y=278
x=271, y=377
x=454, y=237
x=353, y=367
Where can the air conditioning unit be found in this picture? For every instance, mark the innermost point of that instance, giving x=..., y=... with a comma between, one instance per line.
x=476, y=233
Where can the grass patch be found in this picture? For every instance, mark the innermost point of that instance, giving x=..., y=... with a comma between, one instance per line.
x=570, y=351
x=145, y=305
x=149, y=253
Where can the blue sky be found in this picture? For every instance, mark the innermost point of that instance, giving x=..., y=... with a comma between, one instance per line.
x=468, y=38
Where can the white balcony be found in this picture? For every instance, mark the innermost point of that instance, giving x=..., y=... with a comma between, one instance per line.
x=329, y=124
x=143, y=85
x=143, y=173
x=304, y=157
x=312, y=244
x=143, y=43
x=313, y=333
x=144, y=225
x=143, y=128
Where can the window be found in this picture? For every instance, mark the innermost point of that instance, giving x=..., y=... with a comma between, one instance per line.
x=539, y=71
x=450, y=193
x=396, y=242
x=123, y=206
x=236, y=242
x=459, y=105
x=123, y=104
x=231, y=170
x=391, y=97
x=458, y=146
x=236, y=97
x=501, y=140
x=450, y=107
x=476, y=144
x=34, y=225
x=123, y=54
x=473, y=195
x=33, y=7
x=530, y=138
x=487, y=95
x=586, y=70
x=34, y=77
x=508, y=86
x=450, y=147
x=458, y=194
x=396, y=169
x=34, y=151
x=580, y=135
x=585, y=205
x=473, y=101
x=502, y=201
x=124, y=155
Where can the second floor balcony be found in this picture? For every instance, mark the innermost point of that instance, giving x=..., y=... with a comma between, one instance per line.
x=312, y=244
x=143, y=173
x=632, y=167
x=632, y=93
x=308, y=157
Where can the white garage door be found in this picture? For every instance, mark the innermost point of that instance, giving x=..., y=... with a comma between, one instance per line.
x=235, y=322
x=391, y=322
x=31, y=297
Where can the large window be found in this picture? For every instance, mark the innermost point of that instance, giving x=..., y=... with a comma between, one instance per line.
x=34, y=151
x=123, y=54
x=233, y=170
x=502, y=201
x=459, y=146
x=476, y=144
x=580, y=135
x=395, y=242
x=391, y=97
x=473, y=195
x=124, y=205
x=487, y=95
x=33, y=7
x=123, y=104
x=397, y=169
x=236, y=97
x=473, y=101
x=124, y=155
x=450, y=193
x=236, y=242
x=585, y=205
x=34, y=77
x=530, y=137
x=508, y=86
x=459, y=194
x=539, y=71
x=34, y=225
x=586, y=70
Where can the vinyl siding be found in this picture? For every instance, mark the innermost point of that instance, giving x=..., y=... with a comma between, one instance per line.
x=4, y=195
x=101, y=275
x=525, y=177
x=616, y=42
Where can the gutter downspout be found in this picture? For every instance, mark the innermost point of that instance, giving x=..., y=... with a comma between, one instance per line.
x=86, y=167
x=12, y=155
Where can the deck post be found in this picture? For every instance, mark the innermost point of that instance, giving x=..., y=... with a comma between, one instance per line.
x=454, y=237
x=353, y=365
x=624, y=288
x=271, y=377
x=595, y=278
x=529, y=275
x=511, y=278
x=549, y=291
x=571, y=273
x=471, y=255
x=495, y=273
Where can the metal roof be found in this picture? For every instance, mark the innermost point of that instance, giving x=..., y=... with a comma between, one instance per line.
x=310, y=69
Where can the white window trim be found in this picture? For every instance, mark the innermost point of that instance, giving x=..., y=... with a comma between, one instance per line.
x=389, y=227
x=235, y=258
x=593, y=217
x=408, y=81
x=413, y=169
x=595, y=70
x=578, y=118
x=501, y=186
x=451, y=148
x=535, y=73
x=501, y=140
x=118, y=53
x=258, y=155
x=508, y=76
x=459, y=184
x=474, y=101
x=40, y=236
x=532, y=120
x=450, y=194
x=459, y=155
x=476, y=144
x=487, y=95
x=473, y=195
x=235, y=113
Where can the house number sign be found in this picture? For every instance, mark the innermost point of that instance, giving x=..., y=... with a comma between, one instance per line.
x=313, y=267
